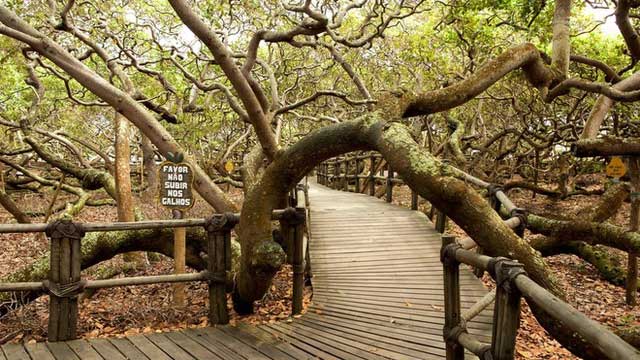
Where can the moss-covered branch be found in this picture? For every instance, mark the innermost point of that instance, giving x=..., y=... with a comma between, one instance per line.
x=91, y=179
x=559, y=232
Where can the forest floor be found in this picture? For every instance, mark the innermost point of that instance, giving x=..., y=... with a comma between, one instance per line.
x=586, y=291
x=132, y=310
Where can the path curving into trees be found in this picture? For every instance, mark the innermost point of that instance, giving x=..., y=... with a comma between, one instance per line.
x=377, y=282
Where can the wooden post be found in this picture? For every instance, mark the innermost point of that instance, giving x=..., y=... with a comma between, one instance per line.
x=451, y=273
x=345, y=185
x=64, y=283
x=292, y=223
x=298, y=261
x=218, y=229
x=506, y=313
x=441, y=221
x=338, y=176
x=325, y=169
x=357, y=173
x=372, y=176
x=287, y=230
x=493, y=200
x=414, y=200
x=389, y=191
x=179, y=253
x=326, y=173
x=432, y=212
x=632, y=266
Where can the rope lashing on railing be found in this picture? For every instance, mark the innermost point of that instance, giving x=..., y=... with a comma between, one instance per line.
x=215, y=277
x=523, y=216
x=60, y=229
x=298, y=268
x=493, y=189
x=506, y=271
x=478, y=306
x=69, y=290
x=453, y=334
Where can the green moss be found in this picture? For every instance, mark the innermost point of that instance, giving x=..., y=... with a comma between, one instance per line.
x=268, y=254
x=420, y=161
x=236, y=252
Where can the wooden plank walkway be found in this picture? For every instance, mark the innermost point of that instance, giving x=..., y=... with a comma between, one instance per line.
x=378, y=294
x=377, y=287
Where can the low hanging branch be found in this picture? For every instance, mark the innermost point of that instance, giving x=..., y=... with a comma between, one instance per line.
x=91, y=179
x=521, y=184
x=607, y=146
x=8, y=204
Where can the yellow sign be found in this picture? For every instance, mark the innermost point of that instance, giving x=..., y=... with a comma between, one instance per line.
x=616, y=168
x=228, y=166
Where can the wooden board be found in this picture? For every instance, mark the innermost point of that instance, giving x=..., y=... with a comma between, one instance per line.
x=39, y=351
x=213, y=346
x=378, y=286
x=171, y=349
x=148, y=348
x=15, y=352
x=106, y=349
x=83, y=349
x=128, y=349
x=61, y=350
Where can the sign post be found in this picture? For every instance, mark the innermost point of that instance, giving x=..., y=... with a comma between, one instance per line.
x=634, y=222
x=176, y=193
x=616, y=169
x=229, y=167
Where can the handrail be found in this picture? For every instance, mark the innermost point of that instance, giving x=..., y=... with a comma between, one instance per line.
x=512, y=283
x=330, y=173
x=511, y=279
x=121, y=226
x=64, y=282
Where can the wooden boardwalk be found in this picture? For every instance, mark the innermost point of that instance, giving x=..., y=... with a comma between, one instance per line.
x=378, y=294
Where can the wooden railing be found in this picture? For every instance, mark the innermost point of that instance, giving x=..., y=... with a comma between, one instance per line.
x=64, y=282
x=512, y=281
x=330, y=173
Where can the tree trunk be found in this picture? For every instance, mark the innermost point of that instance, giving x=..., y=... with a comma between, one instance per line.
x=434, y=181
x=123, y=179
x=150, y=171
